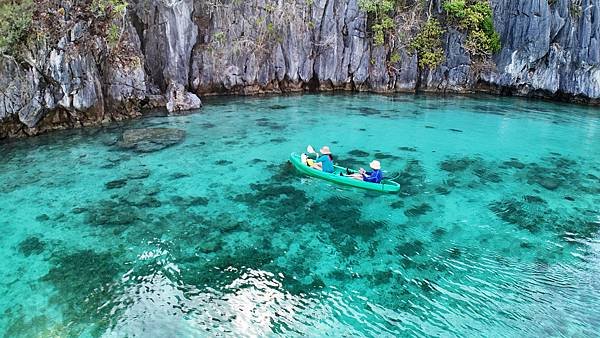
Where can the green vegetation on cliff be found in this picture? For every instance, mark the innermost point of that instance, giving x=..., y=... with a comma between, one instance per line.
x=22, y=20
x=413, y=24
x=428, y=44
x=15, y=22
x=382, y=21
x=475, y=18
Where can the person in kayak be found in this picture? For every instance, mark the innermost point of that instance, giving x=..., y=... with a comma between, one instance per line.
x=325, y=161
x=374, y=176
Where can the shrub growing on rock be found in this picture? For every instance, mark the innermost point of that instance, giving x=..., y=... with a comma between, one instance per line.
x=382, y=20
x=476, y=18
x=428, y=44
x=15, y=22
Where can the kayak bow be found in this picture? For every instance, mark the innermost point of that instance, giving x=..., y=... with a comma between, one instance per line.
x=384, y=186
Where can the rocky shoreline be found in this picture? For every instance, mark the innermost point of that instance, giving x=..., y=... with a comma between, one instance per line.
x=171, y=53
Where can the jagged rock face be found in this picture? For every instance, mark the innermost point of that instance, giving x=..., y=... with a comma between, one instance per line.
x=276, y=46
x=256, y=46
x=168, y=36
x=124, y=79
x=548, y=48
x=71, y=84
x=173, y=51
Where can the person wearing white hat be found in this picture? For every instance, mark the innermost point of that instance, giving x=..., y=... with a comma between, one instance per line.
x=325, y=161
x=374, y=176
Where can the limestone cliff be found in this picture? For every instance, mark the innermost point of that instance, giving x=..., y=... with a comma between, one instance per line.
x=171, y=52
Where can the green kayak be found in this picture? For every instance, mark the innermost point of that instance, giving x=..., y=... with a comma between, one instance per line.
x=384, y=186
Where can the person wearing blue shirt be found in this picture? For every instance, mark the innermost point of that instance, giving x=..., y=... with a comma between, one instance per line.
x=374, y=176
x=325, y=161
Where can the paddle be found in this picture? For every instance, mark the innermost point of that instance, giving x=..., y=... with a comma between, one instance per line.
x=311, y=150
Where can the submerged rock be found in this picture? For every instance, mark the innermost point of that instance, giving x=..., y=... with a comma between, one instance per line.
x=397, y=205
x=31, y=246
x=116, y=184
x=225, y=223
x=189, y=201
x=549, y=183
x=148, y=140
x=147, y=202
x=553, y=172
x=296, y=287
x=78, y=210
x=534, y=199
x=42, y=218
x=514, y=164
x=210, y=246
x=442, y=190
x=439, y=232
x=178, y=175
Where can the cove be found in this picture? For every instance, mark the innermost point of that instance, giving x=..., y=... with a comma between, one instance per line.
x=196, y=225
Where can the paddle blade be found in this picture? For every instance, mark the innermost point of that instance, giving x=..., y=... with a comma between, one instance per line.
x=310, y=149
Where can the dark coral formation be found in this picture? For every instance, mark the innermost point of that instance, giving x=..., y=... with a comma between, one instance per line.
x=83, y=281
x=514, y=212
x=534, y=215
x=418, y=210
x=457, y=164
x=552, y=172
x=358, y=153
x=412, y=178
x=116, y=184
x=32, y=245
x=410, y=248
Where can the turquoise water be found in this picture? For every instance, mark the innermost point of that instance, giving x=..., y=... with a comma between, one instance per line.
x=207, y=231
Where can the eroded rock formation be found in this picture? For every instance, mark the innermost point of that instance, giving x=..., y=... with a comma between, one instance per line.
x=172, y=52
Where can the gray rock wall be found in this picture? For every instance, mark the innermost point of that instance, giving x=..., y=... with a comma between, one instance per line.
x=548, y=49
x=173, y=51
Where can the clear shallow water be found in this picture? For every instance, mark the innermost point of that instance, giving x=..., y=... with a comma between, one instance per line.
x=495, y=231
